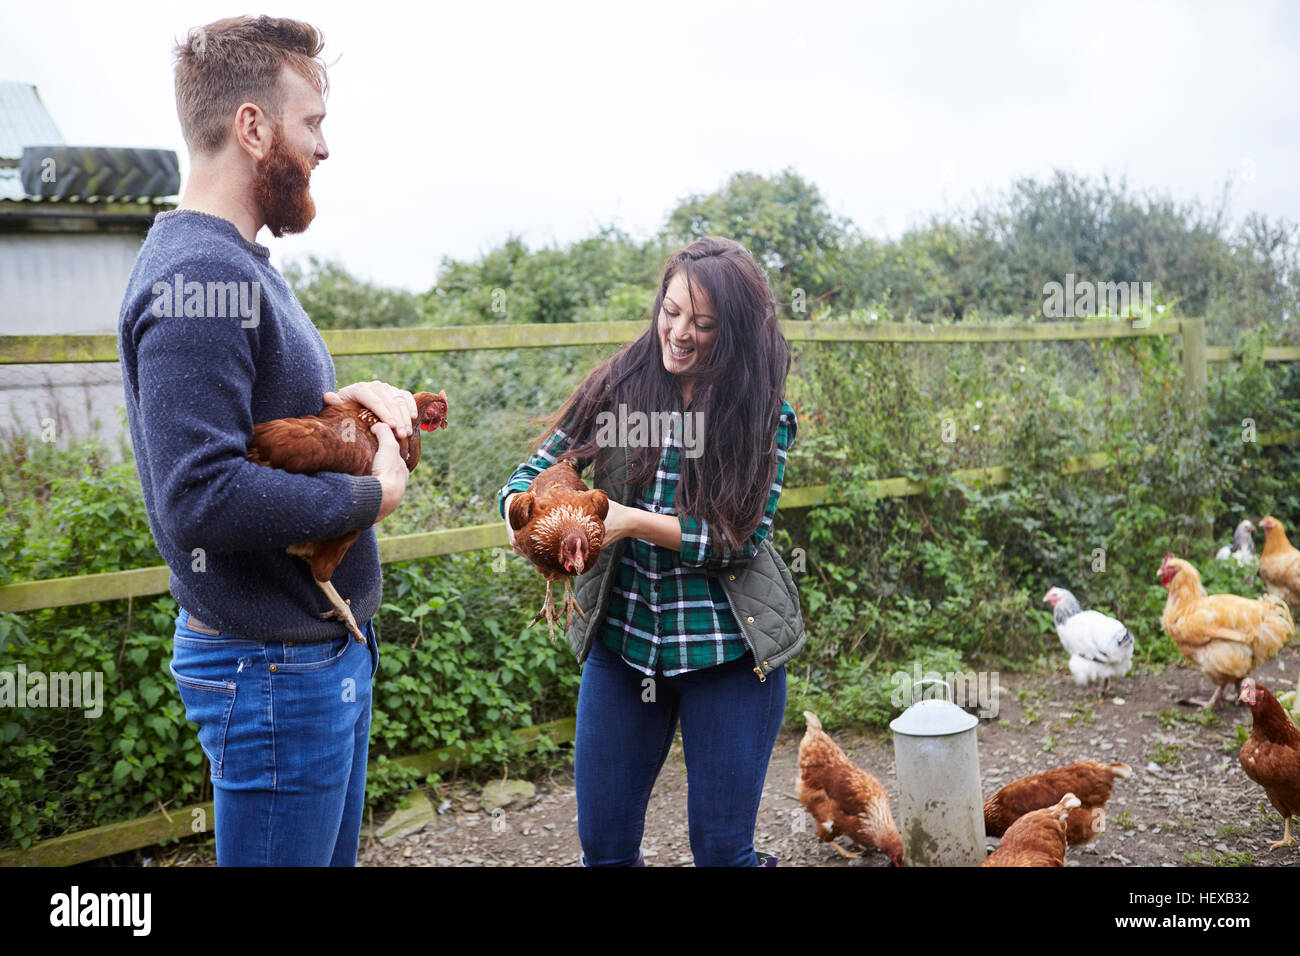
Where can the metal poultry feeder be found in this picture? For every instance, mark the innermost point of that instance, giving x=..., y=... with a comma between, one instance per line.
x=939, y=800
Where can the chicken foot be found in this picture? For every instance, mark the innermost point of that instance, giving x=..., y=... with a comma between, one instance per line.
x=843, y=852
x=342, y=610
x=1287, y=838
x=568, y=605
x=1218, y=696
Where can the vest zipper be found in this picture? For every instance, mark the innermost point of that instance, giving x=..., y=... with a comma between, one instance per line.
x=750, y=644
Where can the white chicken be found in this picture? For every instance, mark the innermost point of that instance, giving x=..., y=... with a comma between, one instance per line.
x=1099, y=646
x=1242, y=549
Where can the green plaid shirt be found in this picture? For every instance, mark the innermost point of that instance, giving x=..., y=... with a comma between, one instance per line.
x=665, y=612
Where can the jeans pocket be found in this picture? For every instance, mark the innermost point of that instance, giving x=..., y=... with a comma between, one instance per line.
x=209, y=704
x=316, y=657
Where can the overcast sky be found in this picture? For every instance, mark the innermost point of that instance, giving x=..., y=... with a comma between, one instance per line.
x=454, y=125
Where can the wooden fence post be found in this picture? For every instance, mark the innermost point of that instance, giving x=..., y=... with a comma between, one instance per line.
x=1195, y=377
x=1195, y=384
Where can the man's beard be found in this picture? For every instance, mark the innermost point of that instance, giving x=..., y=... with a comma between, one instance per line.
x=282, y=188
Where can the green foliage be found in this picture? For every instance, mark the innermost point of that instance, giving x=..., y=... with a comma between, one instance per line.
x=949, y=579
x=783, y=221
x=336, y=300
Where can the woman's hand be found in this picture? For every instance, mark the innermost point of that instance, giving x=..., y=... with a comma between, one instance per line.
x=395, y=407
x=619, y=523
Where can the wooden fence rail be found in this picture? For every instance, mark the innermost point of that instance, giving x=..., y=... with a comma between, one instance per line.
x=40, y=349
x=44, y=349
x=144, y=582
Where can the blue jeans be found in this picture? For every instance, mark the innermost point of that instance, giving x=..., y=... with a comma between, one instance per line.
x=729, y=724
x=286, y=729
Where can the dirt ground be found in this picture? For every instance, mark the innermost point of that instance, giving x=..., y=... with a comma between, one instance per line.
x=1186, y=804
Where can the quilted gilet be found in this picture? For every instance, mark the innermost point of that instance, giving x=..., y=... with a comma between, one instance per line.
x=762, y=594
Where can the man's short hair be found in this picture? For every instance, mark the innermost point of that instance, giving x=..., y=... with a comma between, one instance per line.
x=238, y=60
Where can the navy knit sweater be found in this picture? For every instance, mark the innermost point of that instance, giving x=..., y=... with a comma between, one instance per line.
x=199, y=369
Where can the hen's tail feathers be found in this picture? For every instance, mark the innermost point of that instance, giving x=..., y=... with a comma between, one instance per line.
x=1121, y=770
x=813, y=722
x=1068, y=802
x=1275, y=632
x=1269, y=597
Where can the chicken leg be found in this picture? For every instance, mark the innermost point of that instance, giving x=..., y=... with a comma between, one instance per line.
x=843, y=852
x=567, y=606
x=1287, y=838
x=342, y=610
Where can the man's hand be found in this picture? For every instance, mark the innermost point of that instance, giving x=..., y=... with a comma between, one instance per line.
x=394, y=406
x=510, y=532
x=389, y=468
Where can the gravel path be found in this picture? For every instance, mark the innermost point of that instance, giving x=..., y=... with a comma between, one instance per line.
x=1187, y=803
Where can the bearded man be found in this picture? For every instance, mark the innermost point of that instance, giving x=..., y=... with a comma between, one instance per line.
x=212, y=341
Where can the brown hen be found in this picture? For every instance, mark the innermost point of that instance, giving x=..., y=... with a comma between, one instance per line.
x=1279, y=563
x=560, y=524
x=1271, y=754
x=843, y=798
x=338, y=439
x=1037, y=838
x=1088, y=780
x=1226, y=636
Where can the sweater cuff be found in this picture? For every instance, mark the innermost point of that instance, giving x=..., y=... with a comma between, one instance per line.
x=367, y=497
x=519, y=484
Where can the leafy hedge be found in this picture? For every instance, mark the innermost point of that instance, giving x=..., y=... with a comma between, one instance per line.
x=951, y=578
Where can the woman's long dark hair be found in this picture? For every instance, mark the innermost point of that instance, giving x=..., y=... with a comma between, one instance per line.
x=738, y=392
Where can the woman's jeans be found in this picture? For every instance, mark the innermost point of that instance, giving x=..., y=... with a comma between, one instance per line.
x=626, y=722
x=286, y=728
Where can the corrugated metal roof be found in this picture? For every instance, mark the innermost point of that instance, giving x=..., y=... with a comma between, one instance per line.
x=24, y=121
x=11, y=185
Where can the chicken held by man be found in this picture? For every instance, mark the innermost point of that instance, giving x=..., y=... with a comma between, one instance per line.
x=338, y=439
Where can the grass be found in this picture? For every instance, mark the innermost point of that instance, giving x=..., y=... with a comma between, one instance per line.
x=1232, y=745
x=1215, y=858
x=1167, y=755
x=1123, y=819
x=1170, y=719
x=1229, y=830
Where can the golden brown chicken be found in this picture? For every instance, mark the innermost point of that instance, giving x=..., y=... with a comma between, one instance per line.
x=1226, y=636
x=560, y=523
x=1088, y=780
x=1271, y=754
x=338, y=439
x=1279, y=563
x=1037, y=838
x=843, y=798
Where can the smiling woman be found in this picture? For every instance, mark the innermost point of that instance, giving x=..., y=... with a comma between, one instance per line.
x=688, y=612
